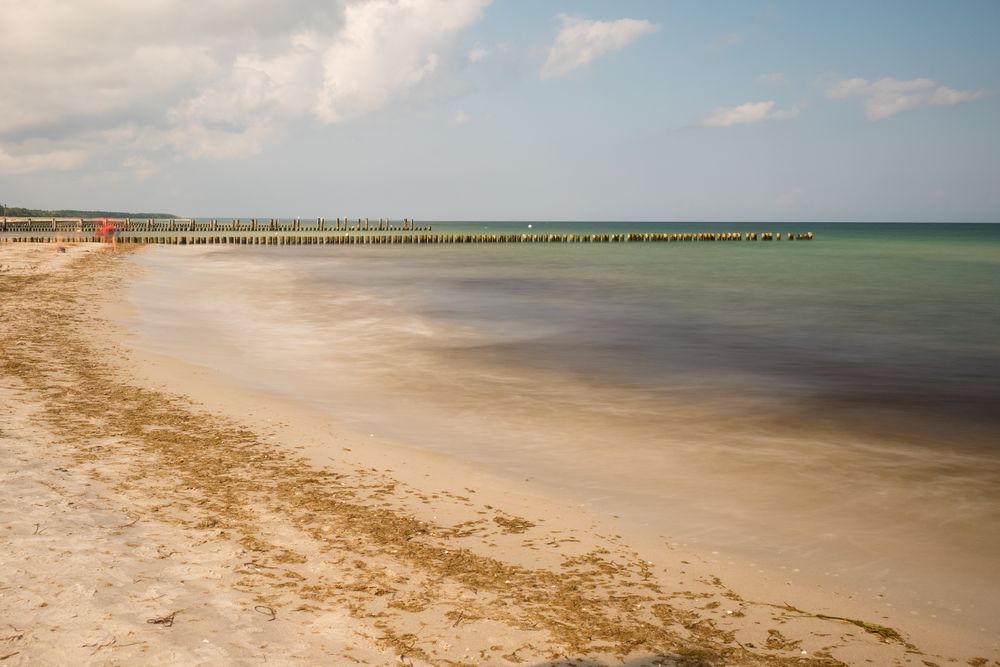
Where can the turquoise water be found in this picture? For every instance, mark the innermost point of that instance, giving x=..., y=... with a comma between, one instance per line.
x=830, y=403
x=869, y=320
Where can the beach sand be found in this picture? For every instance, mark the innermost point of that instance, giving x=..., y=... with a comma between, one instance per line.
x=153, y=515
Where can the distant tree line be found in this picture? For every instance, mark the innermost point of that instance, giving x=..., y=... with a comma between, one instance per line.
x=19, y=212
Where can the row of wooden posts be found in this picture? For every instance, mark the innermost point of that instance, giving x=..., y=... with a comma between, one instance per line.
x=82, y=225
x=382, y=239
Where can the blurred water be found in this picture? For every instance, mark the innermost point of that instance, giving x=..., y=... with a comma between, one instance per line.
x=836, y=396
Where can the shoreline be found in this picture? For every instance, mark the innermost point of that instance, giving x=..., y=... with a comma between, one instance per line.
x=456, y=564
x=713, y=469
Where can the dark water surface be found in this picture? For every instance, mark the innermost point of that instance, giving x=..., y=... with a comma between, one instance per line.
x=837, y=397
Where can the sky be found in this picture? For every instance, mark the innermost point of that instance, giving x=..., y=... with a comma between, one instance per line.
x=504, y=109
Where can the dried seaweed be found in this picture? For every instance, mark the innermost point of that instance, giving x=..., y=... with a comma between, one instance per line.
x=212, y=476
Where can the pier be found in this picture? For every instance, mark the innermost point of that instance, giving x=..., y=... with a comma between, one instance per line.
x=359, y=231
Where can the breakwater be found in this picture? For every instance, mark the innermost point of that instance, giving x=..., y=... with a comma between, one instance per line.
x=347, y=238
x=320, y=231
x=175, y=225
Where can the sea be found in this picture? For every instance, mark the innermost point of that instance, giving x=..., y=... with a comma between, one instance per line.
x=830, y=405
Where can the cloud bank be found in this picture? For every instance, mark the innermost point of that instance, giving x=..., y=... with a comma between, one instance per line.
x=581, y=41
x=888, y=96
x=749, y=113
x=217, y=78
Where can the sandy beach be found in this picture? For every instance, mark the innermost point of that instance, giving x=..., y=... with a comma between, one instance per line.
x=154, y=514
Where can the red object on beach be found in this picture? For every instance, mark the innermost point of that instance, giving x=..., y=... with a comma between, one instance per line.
x=106, y=229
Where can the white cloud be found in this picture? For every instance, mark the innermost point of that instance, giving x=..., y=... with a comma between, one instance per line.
x=219, y=78
x=113, y=58
x=460, y=118
x=386, y=47
x=580, y=41
x=477, y=54
x=773, y=79
x=750, y=113
x=888, y=96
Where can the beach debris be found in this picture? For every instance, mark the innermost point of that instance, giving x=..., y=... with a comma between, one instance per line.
x=886, y=633
x=777, y=641
x=267, y=611
x=513, y=524
x=97, y=646
x=166, y=621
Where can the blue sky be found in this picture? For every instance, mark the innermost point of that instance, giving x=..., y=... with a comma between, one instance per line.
x=511, y=109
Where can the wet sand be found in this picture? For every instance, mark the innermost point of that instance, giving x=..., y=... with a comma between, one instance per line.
x=155, y=515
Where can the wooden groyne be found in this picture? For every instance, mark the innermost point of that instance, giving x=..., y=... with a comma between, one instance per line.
x=320, y=231
x=331, y=237
x=177, y=225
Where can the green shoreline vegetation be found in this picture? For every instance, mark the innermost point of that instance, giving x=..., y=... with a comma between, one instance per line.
x=18, y=211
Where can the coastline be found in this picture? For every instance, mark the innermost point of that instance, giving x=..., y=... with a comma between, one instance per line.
x=398, y=555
